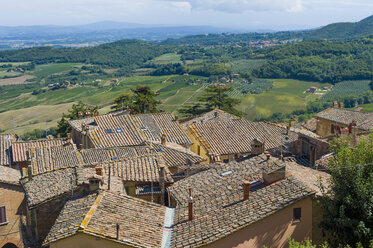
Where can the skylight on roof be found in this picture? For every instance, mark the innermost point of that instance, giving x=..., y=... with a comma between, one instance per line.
x=226, y=173
x=159, y=150
x=119, y=130
x=108, y=131
x=143, y=128
x=114, y=158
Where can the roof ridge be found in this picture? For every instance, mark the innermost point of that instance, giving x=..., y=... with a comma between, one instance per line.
x=83, y=225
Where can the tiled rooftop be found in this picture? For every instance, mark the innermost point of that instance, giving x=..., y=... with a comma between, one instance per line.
x=131, y=130
x=9, y=175
x=213, y=115
x=53, y=158
x=218, y=205
x=5, y=148
x=46, y=186
x=235, y=136
x=141, y=223
x=136, y=169
x=363, y=120
x=308, y=176
x=20, y=149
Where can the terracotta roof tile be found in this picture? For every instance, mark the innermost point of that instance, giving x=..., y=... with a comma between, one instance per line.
x=140, y=222
x=9, y=175
x=5, y=148
x=219, y=208
x=363, y=120
x=20, y=148
x=235, y=136
x=46, y=186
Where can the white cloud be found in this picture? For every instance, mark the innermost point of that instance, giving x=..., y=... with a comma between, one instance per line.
x=240, y=6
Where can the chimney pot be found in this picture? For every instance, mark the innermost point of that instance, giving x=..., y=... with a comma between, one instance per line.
x=190, y=205
x=341, y=105
x=163, y=139
x=246, y=190
x=335, y=104
x=268, y=155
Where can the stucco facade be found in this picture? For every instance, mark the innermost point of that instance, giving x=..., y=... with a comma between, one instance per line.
x=274, y=230
x=12, y=197
x=82, y=240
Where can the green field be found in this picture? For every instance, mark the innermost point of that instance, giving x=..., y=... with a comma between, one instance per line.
x=168, y=58
x=285, y=96
x=49, y=69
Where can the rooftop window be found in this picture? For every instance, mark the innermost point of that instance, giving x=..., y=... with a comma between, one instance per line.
x=109, y=131
x=119, y=130
x=226, y=173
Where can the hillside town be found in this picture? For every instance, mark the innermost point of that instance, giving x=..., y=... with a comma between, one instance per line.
x=154, y=180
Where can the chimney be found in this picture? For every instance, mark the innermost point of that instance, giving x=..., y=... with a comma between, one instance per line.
x=292, y=122
x=190, y=205
x=246, y=189
x=341, y=105
x=83, y=127
x=257, y=147
x=118, y=228
x=216, y=114
x=69, y=135
x=24, y=172
x=80, y=114
x=268, y=155
x=162, y=182
x=335, y=104
x=58, y=136
x=274, y=176
x=163, y=139
x=29, y=172
x=98, y=170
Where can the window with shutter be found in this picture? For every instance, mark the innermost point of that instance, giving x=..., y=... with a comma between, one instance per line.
x=3, y=215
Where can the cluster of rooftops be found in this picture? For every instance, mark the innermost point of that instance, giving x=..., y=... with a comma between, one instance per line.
x=154, y=149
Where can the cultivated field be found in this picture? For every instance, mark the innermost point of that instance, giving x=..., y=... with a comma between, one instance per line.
x=16, y=80
x=285, y=96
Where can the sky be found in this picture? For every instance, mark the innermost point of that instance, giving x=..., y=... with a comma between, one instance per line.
x=240, y=14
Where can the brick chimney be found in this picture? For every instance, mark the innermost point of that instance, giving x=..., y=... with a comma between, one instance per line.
x=163, y=139
x=268, y=155
x=246, y=189
x=341, y=105
x=335, y=104
x=216, y=114
x=190, y=205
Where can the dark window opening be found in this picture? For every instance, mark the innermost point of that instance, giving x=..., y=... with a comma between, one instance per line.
x=297, y=214
x=3, y=215
x=332, y=129
x=199, y=150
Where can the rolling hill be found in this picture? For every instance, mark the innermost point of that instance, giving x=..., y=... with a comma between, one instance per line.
x=342, y=30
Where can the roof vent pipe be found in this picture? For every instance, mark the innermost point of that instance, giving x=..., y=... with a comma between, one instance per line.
x=118, y=227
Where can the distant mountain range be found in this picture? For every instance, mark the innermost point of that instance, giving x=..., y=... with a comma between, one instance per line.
x=109, y=31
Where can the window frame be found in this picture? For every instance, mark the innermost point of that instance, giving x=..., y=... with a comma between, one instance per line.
x=3, y=210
